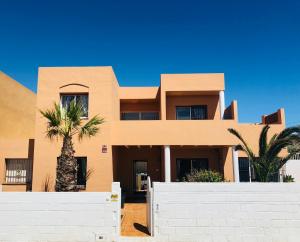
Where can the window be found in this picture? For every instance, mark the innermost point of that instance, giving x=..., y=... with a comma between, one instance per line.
x=139, y=116
x=197, y=112
x=18, y=171
x=244, y=169
x=81, y=171
x=185, y=166
x=66, y=99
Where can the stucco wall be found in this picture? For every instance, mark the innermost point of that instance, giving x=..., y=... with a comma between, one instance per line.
x=17, y=106
x=226, y=212
x=59, y=216
x=100, y=84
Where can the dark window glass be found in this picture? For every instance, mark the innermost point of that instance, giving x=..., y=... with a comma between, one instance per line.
x=196, y=112
x=185, y=166
x=139, y=116
x=80, y=98
x=149, y=115
x=130, y=116
x=199, y=112
x=183, y=113
x=244, y=169
x=81, y=171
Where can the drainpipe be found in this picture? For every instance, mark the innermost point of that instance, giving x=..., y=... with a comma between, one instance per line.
x=167, y=163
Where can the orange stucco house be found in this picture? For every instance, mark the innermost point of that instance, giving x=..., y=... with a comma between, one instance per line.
x=163, y=132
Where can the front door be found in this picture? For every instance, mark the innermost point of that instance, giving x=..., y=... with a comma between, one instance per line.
x=140, y=174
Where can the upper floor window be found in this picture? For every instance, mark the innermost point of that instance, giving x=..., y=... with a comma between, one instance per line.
x=196, y=112
x=66, y=99
x=139, y=116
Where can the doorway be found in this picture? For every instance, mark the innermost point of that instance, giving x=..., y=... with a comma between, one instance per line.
x=140, y=173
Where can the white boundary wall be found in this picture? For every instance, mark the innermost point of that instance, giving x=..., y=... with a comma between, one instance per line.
x=292, y=168
x=218, y=212
x=49, y=216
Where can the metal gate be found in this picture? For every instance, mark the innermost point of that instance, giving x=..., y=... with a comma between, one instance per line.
x=149, y=199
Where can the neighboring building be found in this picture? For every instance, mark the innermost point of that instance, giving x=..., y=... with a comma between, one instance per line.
x=162, y=131
x=18, y=110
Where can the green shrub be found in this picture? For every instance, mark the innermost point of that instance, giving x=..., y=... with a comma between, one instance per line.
x=204, y=176
x=288, y=178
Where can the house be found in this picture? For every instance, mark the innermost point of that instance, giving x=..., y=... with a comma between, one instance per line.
x=162, y=132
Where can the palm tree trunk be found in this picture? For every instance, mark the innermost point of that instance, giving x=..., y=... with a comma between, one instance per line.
x=66, y=171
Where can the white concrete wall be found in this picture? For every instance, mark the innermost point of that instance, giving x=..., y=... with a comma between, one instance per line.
x=228, y=212
x=83, y=216
x=292, y=168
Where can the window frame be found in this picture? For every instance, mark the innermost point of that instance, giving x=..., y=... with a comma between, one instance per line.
x=75, y=95
x=28, y=168
x=190, y=109
x=139, y=115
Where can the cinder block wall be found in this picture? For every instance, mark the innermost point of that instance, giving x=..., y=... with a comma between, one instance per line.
x=65, y=217
x=226, y=212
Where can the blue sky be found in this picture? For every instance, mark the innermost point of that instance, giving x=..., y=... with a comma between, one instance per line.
x=255, y=43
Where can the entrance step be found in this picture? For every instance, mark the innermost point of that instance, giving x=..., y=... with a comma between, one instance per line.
x=136, y=239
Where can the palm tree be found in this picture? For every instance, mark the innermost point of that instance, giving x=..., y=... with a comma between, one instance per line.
x=267, y=163
x=65, y=123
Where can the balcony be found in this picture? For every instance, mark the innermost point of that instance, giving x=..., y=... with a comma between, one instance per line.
x=184, y=132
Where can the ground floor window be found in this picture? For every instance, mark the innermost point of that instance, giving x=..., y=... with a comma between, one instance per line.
x=82, y=171
x=18, y=171
x=186, y=165
x=244, y=169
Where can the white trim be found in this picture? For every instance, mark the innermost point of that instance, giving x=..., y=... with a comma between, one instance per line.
x=222, y=103
x=167, y=163
x=235, y=161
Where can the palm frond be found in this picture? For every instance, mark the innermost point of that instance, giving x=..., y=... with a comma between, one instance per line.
x=263, y=141
x=90, y=128
x=288, y=132
x=245, y=146
x=74, y=113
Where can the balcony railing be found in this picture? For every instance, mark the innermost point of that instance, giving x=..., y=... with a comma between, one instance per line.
x=139, y=116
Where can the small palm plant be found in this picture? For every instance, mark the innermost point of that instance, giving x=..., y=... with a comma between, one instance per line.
x=268, y=162
x=65, y=122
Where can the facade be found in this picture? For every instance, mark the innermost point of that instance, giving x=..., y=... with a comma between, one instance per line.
x=163, y=132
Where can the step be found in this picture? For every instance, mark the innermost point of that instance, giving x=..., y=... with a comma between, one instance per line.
x=136, y=239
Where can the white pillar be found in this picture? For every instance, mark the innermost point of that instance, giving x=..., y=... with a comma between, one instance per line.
x=167, y=163
x=222, y=103
x=235, y=160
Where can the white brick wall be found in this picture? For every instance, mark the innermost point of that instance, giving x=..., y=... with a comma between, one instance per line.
x=226, y=212
x=64, y=217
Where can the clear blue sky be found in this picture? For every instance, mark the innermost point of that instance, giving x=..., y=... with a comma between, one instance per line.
x=255, y=43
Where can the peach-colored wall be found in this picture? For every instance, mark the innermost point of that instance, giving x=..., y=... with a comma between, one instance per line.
x=142, y=107
x=100, y=84
x=14, y=188
x=212, y=102
x=17, y=106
